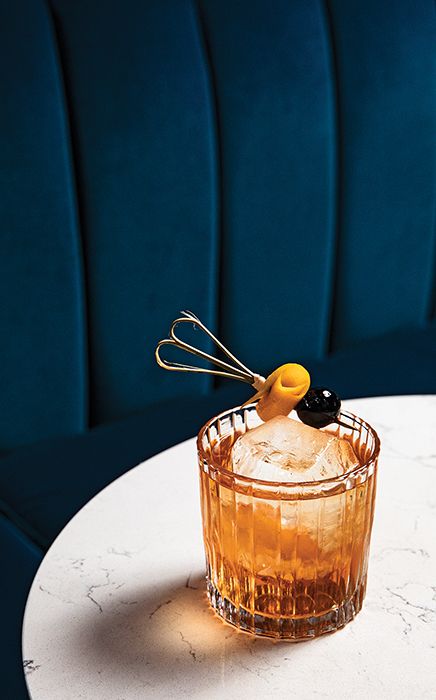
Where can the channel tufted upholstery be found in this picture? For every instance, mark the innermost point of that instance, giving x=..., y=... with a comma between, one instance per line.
x=270, y=165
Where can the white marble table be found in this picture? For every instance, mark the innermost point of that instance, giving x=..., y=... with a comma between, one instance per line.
x=118, y=610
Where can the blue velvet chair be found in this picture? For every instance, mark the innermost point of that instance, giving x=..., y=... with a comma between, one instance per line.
x=270, y=165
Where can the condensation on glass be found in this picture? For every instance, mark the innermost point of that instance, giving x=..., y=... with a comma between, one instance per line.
x=287, y=561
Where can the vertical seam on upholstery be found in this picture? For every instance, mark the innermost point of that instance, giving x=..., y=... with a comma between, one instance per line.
x=72, y=156
x=430, y=311
x=337, y=174
x=218, y=162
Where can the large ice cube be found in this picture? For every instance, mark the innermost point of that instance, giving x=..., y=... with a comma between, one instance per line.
x=283, y=449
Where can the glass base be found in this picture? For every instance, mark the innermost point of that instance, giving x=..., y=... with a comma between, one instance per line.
x=286, y=628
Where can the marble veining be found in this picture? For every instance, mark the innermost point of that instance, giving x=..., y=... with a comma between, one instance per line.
x=118, y=608
x=30, y=666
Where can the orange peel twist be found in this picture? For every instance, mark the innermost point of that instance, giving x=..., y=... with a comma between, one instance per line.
x=282, y=391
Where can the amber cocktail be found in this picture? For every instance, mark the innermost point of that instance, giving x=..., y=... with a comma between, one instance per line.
x=285, y=560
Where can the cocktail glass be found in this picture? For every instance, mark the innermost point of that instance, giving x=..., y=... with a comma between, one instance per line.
x=285, y=560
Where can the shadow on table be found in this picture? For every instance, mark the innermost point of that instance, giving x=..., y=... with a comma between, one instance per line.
x=159, y=637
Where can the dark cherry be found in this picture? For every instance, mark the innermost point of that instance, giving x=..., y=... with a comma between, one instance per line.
x=319, y=407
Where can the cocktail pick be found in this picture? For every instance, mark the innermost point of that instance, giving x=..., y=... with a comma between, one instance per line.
x=237, y=371
x=285, y=389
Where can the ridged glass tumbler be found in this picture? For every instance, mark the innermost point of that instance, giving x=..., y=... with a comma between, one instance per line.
x=285, y=560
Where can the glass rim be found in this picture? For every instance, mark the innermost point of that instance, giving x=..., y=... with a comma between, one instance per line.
x=290, y=485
